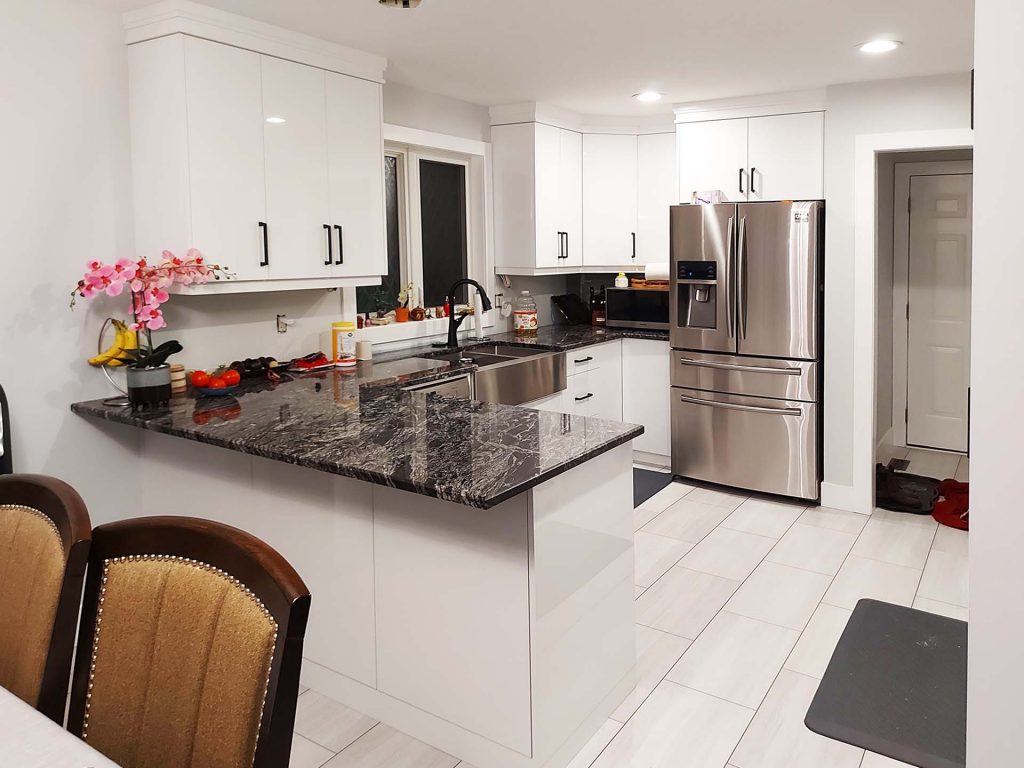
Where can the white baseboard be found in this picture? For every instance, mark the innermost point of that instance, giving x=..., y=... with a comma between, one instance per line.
x=653, y=460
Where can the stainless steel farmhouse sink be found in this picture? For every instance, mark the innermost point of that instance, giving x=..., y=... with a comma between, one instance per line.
x=506, y=374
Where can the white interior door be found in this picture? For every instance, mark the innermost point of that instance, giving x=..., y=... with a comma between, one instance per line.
x=939, y=326
x=609, y=199
x=713, y=156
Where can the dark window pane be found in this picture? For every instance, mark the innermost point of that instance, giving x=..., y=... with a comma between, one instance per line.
x=443, y=215
x=371, y=298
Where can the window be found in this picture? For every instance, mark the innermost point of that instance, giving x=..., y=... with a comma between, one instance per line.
x=427, y=229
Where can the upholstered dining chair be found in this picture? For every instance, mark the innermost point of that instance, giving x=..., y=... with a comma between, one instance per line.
x=189, y=647
x=44, y=545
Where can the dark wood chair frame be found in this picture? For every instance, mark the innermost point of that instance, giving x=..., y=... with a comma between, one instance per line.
x=62, y=504
x=255, y=564
x=6, y=460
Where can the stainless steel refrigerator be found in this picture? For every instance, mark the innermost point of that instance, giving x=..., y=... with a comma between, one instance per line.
x=746, y=333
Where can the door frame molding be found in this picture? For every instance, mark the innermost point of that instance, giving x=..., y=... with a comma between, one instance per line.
x=859, y=495
x=901, y=281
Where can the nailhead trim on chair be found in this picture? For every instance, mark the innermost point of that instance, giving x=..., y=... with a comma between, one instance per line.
x=195, y=564
x=37, y=513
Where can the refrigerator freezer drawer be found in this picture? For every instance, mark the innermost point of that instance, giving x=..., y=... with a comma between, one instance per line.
x=753, y=443
x=752, y=376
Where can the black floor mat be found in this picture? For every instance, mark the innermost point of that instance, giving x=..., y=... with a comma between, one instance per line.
x=646, y=483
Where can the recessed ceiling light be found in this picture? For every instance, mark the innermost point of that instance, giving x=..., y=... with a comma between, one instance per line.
x=879, y=46
x=648, y=97
x=276, y=120
x=400, y=3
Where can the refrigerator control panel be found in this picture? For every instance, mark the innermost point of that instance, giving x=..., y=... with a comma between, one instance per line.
x=697, y=270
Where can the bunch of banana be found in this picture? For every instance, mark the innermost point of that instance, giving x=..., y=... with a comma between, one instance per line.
x=113, y=357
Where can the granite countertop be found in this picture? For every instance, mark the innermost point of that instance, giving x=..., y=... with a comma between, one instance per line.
x=566, y=337
x=360, y=423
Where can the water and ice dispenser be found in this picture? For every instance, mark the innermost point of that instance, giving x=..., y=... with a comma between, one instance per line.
x=697, y=294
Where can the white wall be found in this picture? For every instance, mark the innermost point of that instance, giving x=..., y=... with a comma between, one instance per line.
x=430, y=112
x=996, y=662
x=894, y=105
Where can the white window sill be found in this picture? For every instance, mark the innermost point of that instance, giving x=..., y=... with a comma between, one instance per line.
x=415, y=331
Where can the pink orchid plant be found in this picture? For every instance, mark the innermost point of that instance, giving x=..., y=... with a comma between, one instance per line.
x=147, y=284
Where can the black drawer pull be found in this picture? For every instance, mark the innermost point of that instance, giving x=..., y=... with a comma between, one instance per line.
x=584, y=360
x=585, y=397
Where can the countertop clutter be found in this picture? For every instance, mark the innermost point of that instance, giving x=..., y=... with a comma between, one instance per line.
x=359, y=423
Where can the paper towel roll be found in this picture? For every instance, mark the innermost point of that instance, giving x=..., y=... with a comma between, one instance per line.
x=659, y=270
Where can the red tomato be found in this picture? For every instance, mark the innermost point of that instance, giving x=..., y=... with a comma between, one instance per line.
x=200, y=379
x=231, y=377
x=217, y=383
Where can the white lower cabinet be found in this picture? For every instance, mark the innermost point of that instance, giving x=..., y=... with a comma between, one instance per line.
x=595, y=381
x=646, y=395
x=555, y=402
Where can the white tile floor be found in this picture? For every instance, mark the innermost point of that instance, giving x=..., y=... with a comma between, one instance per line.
x=740, y=602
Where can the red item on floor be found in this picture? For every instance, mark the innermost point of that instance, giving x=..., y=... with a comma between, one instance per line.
x=954, y=507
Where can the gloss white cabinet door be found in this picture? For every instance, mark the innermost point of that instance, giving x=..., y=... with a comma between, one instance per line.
x=787, y=157
x=295, y=146
x=223, y=87
x=546, y=197
x=657, y=190
x=646, y=393
x=355, y=152
x=713, y=156
x=609, y=199
x=570, y=190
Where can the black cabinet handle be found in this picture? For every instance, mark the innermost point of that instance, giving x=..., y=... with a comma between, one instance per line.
x=330, y=247
x=566, y=234
x=584, y=360
x=752, y=172
x=585, y=397
x=634, y=244
x=341, y=245
x=742, y=174
x=266, y=245
x=563, y=245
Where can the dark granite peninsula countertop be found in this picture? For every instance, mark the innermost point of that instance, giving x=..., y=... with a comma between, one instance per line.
x=361, y=424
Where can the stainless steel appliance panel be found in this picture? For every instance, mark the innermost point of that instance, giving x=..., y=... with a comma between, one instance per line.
x=522, y=381
x=755, y=443
x=777, y=279
x=753, y=376
x=637, y=308
x=455, y=386
x=703, y=233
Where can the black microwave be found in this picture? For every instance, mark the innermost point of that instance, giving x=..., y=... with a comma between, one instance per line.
x=637, y=308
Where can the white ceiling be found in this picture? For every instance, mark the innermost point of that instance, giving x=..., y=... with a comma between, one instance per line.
x=592, y=55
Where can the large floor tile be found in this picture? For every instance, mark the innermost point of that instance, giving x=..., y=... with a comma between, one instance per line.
x=945, y=575
x=813, y=548
x=814, y=649
x=835, y=519
x=735, y=658
x=728, y=553
x=677, y=727
x=932, y=463
x=656, y=652
x=871, y=760
x=306, y=754
x=764, y=517
x=586, y=756
x=717, y=497
x=778, y=738
x=941, y=608
x=328, y=723
x=779, y=594
x=667, y=496
x=860, y=577
x=897, y=538
x=688, y=520
x=683, y=601
x=963, y=470
x=384, y=747
x=653, y=555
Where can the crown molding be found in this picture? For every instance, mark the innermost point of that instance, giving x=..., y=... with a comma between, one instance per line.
x=184, y=17
x=536, y=112
x=751, y=106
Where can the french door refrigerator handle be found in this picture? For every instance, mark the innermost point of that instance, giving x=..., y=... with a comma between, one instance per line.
x=730, y=309
x=737, y=407
x=741, y=278
x=743, y=368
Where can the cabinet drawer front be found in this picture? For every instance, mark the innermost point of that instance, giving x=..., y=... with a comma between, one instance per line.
x=607, y=355
x=756, y=377
x=748, y=442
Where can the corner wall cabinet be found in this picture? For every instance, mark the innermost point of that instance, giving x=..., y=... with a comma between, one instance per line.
x=271, y=168
x=774, y=157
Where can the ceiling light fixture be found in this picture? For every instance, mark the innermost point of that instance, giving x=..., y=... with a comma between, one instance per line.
x=400, y=3
x=880, y=46
x=648, y=97
x=276, y=120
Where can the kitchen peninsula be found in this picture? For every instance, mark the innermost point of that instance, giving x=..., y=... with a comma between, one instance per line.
x=471, y=564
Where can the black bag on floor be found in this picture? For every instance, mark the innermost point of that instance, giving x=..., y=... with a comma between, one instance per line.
x=903, y=492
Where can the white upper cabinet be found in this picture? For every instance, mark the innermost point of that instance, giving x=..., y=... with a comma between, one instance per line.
x=657, y=191
x=538, y=197
x=295, y=142
x=270, y=167
x=609, y=199
x=355, y=151
x=787, y=156
x=776, y=157
x=713, y=155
